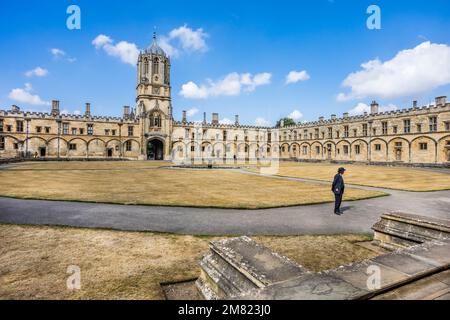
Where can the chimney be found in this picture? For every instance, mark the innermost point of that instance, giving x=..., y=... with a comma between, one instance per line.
x=204, y=117
x=184, y=116
x=15, y=108
x=374, y=107
x=215, y=118
x=126, y=112
x=345, y=115
x=415, y=104
x=55, y=107
x=441, y=101
x=236, y=119
x=87, y=113
x=333, y=117
x=321, y=119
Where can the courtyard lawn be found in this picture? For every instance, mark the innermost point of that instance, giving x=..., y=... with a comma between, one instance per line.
x=131, y=265
x=399, y=178
x=145, y=183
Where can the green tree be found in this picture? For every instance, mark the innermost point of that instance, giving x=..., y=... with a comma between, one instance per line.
x=287, y=122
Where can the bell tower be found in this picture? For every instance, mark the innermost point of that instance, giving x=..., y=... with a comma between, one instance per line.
x=153, y=100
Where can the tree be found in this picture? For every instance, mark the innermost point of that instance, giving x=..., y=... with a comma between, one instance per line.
x=287, y=122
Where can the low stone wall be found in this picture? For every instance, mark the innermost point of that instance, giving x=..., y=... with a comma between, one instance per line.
x=399, y=230
x=238, y=265
x=372, y=163
x=241, y=269
x=16, y=160
x=354, y=282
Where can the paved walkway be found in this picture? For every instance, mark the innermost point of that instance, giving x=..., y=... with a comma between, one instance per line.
x=358, y=216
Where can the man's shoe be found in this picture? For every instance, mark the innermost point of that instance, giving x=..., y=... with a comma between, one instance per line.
x=337, y=213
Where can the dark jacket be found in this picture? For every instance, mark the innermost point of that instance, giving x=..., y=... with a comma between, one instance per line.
x=338, y=184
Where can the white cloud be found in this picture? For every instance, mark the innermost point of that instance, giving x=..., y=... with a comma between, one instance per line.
x=125, y=51
x=192, y=112
x=77, y=112
x=191, y=91
x=183, y=39
x=101, y=40
x=38, y=72
x=296, y=115
x=190, y=40
x=296, y=76
x=261, y=122
x=360, y=108
x=24, y=95
x=231, y=85
x=226, y=121
x=410, y=72
x=57, y=53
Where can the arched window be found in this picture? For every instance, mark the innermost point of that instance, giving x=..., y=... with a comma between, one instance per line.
x=155, y=68
x=146, y=67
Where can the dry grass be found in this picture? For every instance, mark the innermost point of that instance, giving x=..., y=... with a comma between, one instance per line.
x=145, y=183
x=131, y=265
x=400, y=178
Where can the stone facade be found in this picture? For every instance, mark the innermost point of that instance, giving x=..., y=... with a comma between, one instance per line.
x=419, y=135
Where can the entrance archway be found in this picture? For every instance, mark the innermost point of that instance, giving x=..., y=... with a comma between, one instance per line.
x=155, y=150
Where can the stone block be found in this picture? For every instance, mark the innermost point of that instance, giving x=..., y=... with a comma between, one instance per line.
x=308, y=287
x=237, y=265
x=401, y=230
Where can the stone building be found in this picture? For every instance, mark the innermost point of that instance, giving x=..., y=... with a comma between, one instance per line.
x=419, y=135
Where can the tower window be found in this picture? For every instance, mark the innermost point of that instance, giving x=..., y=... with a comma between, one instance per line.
x=155, y=68
x=72, y=146
x=423, y=146
x=2, y=143
x=1, y=125
x=145, y=66
x=130, y=131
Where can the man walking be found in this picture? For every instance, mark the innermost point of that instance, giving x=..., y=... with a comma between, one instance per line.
x=338, y=190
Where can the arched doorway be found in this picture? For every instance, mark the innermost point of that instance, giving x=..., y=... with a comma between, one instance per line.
x=155, y=150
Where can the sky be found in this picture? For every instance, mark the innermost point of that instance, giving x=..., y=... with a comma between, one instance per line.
x=260, y=59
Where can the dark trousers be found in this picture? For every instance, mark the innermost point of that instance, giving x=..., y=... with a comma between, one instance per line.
x=338, y=201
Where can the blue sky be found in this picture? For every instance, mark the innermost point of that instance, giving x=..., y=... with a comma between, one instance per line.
x=230, y=43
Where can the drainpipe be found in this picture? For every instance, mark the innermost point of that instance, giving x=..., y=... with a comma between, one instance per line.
x=59, y=134
x=26, y=137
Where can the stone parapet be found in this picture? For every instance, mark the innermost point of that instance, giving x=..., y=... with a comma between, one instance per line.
x=397, y=269
x=235, y=266
x=397, y=230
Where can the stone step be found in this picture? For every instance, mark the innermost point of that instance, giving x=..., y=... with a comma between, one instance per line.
x=237, y=265
x=419, y=271
x=400, y=230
